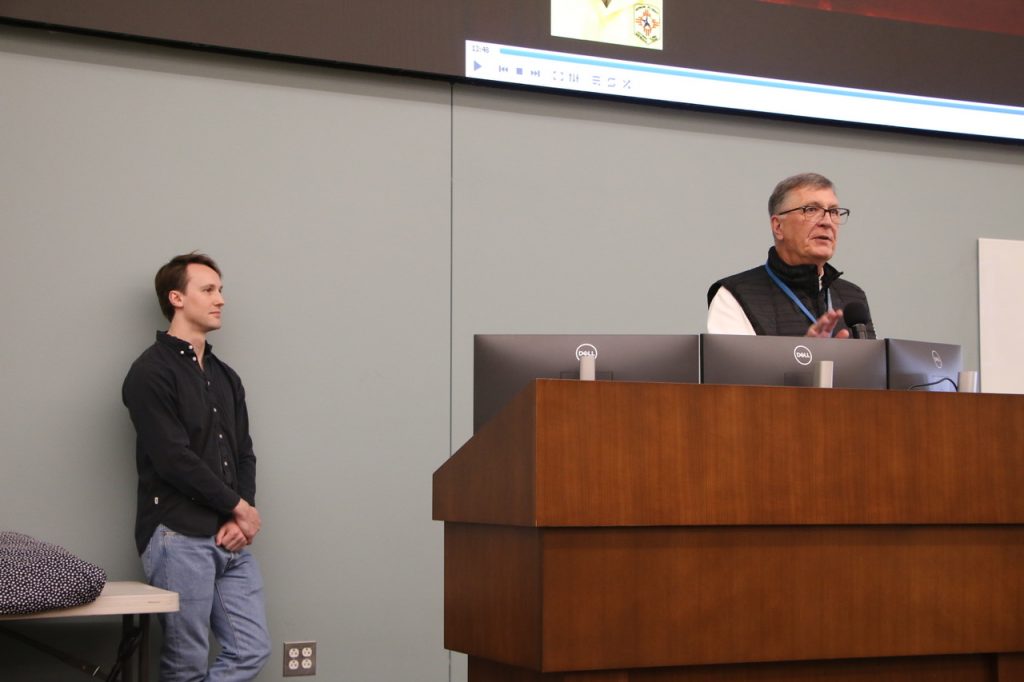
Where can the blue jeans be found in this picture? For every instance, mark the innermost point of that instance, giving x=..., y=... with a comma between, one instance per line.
x=216, y=589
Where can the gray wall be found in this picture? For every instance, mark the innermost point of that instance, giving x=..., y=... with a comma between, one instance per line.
x=325, y=197
x=367, y=226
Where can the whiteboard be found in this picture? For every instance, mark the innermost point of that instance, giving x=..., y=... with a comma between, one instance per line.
x=1001, y=314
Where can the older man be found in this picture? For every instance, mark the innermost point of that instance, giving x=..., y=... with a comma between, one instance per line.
x=796, y=292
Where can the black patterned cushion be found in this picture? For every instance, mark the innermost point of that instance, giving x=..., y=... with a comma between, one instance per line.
x=37, y=576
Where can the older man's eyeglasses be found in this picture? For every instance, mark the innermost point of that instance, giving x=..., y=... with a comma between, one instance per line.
x=815, y=213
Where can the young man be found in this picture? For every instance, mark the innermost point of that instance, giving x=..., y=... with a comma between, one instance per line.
x=197, y=484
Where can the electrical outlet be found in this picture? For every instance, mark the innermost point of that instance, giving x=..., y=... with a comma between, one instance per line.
x=299, y=659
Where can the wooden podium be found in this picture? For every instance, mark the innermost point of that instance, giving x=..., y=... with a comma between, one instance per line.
x=635, y=532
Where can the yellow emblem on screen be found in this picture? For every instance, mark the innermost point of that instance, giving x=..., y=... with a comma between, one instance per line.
x=619, y=22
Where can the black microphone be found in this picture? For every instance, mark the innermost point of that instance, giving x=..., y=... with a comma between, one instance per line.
x=857, y=319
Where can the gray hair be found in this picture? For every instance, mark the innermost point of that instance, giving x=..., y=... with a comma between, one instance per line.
x=812, y=180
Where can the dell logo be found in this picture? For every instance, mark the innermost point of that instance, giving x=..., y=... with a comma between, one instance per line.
x=802, y=354
x=585, y=350
x=937, y=359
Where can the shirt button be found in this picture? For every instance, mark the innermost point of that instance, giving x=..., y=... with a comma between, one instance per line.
x=182, y=352
x=215, y=409
x=220, y=435
x=190, y=347
x=225, y=463
x=194, y=359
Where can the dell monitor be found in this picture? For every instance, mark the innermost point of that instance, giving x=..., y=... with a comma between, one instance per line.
x=922, y=365
x=789, y=360
x=503, y=364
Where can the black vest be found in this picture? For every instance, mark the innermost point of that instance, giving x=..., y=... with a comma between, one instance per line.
x=770, y=310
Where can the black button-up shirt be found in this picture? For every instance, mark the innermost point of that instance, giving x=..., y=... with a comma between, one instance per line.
x=193, y=450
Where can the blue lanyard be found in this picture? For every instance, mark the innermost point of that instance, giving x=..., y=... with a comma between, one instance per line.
x=789, y=292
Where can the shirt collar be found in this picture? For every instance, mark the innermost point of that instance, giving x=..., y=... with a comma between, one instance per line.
x=180, y=346
x=804, y=277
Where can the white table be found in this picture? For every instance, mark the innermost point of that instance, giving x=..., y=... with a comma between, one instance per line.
x=128, y=599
